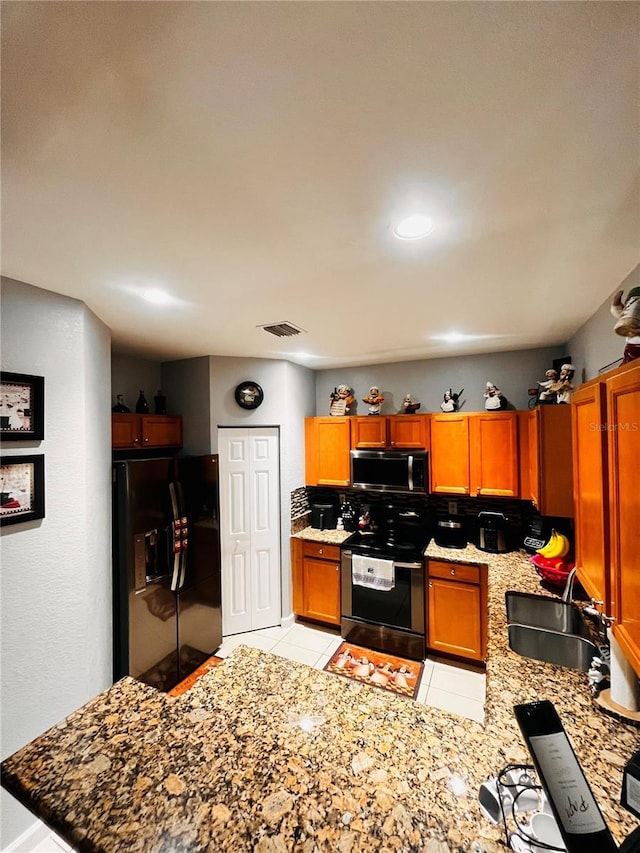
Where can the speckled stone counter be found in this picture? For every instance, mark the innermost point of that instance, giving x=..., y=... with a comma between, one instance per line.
x=331, y=537
x=268, y=755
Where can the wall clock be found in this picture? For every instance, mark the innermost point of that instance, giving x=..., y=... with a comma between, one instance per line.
x=249, y=394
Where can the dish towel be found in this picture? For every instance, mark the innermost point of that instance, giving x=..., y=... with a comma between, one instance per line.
x=371, y=572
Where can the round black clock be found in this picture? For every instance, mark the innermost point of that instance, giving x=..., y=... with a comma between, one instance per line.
x=249, y=394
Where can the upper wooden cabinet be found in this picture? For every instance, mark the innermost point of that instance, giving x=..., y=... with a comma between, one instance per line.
x=475, y=454
x=623, y=446
x=397, y=431
x=546, y=459
x=327, y=445
x=145, y=431
x=590, y=491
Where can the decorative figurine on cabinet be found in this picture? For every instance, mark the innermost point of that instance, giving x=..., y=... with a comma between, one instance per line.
x=545, y=394
x=450, y=401
x=341, y=400
x=493, y=398
x=408, y=406
x=563, y=387
x=628, y=325
x=374, y=399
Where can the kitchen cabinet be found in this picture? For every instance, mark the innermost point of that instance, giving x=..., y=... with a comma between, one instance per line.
x=606, y=452
x=623, y=446
x=590, y=489
x=475, y=454
x=327, y=446
x=145, y=431
x=457, y=609
x=316, y=581
x=396, y=431
x=546, y=459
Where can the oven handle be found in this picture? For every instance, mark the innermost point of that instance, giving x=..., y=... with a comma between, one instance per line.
x=396, y=565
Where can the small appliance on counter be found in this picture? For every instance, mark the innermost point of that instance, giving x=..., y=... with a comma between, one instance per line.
x=323, y=516
x=493, y=532
x=450, y=533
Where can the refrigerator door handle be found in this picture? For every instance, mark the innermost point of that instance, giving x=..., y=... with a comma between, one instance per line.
x=176, y=539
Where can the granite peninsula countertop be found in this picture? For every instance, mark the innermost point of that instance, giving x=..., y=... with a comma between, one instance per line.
x=267, y=755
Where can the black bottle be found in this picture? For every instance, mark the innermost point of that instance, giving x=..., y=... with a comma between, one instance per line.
x=120, y=406
x=160, y=403
x=577, y=814
x=142, y=407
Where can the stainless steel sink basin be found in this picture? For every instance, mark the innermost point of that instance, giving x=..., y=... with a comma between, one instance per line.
x=541, y=611
x=563, y=649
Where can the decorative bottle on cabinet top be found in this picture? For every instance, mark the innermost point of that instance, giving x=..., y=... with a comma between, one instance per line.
x=120, y=406
x=142, y=407
x=160, y=402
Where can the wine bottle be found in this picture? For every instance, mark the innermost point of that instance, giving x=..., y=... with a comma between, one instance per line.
x=142, y=407
x=577, y=814
x=120, y=406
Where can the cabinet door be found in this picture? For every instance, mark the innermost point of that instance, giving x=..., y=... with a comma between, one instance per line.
x=369, y=432
x=454, y=618
x=623, y=429
x=125, y=430
x=297, y=587
x=321, y=590
x=590, y=491
x=161, y=431
x=327, y=445
x=550, y=460
x=494, y=454
x=408, y=431
x=450, y=454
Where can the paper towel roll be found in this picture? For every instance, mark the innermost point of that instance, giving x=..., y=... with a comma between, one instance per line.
x=624, y=681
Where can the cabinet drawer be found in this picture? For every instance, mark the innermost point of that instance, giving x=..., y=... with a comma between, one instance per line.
x=459, y=571
x=321, y=550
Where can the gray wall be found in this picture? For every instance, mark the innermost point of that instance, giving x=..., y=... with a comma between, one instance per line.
x=596, y=345
x=186, y=384
x=129, y=375
x=427, y=380
x=56, y=572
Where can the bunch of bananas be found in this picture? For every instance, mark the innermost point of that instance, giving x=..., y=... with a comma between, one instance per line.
x=557, y=546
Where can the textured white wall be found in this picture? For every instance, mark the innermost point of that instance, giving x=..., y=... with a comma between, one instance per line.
x=186, y=384
x=56, y=572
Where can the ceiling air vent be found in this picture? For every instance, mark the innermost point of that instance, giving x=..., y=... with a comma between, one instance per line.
x=281, y=330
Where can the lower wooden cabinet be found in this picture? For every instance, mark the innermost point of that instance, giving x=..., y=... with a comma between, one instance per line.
x=457, y=609
x=316, y=581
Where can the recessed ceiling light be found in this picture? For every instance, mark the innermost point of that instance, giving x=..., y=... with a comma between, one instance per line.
x=413, y=227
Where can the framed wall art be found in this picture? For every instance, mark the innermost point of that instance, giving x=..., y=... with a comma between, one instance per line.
x=21, y=488
x=21, y=407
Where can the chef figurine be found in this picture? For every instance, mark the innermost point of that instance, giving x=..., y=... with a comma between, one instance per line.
x=493, y=398
x=545, y=394
x=450, y=401
x=563, y=387
x=375, y=400
x=408, y=406
x=628, y=325
x=341, y=400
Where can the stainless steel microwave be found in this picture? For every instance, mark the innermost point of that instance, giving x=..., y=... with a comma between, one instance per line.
x=390, y=470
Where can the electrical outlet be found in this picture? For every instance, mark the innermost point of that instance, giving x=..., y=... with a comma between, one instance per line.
x=453, y=507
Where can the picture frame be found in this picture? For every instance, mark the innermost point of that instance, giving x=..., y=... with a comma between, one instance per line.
x=21, y=407
x=21, y=488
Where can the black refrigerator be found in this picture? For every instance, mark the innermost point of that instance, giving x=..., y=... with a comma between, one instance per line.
x=167, y=615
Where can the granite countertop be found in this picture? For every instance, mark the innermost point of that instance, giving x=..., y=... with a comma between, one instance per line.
x=331, y=537
x=267, y=755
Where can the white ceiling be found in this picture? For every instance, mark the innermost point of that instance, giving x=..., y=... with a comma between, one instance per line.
x=249, y=158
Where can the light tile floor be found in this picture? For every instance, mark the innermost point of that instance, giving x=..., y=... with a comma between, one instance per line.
x=456, y=688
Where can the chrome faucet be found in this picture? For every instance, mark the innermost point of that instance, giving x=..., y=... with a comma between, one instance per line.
x=567, y=594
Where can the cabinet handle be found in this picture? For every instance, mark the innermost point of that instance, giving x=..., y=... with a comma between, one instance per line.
x=320, y=551
x=136, y=441
x=430, y=584
x=453, y=571
x=338, y=567
x=146, y=440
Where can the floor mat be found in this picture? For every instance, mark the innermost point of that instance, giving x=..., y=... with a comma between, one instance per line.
x=190, y=680
x=389, y=672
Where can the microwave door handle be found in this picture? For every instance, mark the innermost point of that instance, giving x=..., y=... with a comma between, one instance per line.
x=410, y=472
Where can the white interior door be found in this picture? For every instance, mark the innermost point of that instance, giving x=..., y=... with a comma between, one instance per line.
x=249, y=528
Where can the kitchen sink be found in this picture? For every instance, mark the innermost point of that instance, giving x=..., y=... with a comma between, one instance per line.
x=548, y=629
x=570, y=650
x=541, y=611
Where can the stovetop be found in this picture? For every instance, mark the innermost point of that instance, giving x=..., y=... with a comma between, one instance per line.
x=397, y=548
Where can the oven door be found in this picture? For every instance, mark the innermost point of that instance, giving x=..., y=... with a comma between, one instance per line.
x=389, y=620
